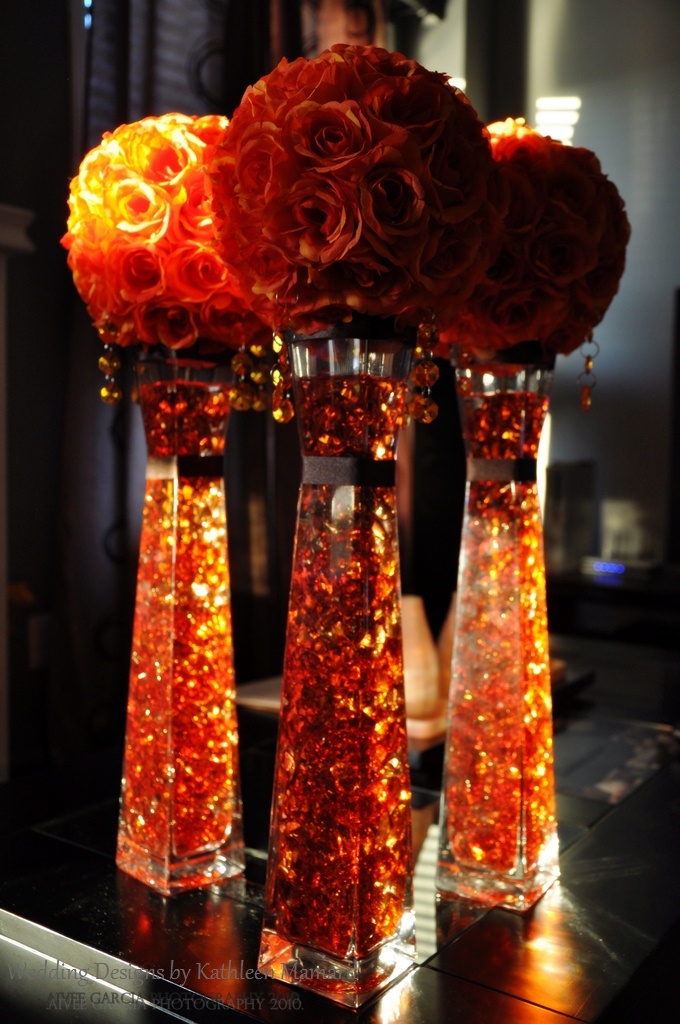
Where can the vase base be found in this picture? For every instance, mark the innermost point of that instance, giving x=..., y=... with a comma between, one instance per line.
x=193, y=872
x=346, y=980
x=495, y=890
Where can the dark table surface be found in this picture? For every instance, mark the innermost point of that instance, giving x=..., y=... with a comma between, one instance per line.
x=80, y=938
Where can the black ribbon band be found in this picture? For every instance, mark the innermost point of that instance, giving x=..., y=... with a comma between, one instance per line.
x=503, y=470
x=343, y=470
x=170, y=466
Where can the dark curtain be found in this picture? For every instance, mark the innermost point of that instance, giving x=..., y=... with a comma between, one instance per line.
x=149, y=57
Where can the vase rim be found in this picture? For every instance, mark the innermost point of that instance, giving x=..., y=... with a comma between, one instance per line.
x=522, y=354
x=362, y=327
x=185, y=357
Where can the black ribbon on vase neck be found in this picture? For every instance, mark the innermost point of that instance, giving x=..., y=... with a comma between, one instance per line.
x=170, y=466
x=502, y=470
x=347, y=470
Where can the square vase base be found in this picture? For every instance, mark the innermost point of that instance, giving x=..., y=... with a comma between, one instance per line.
x=172, y=876
x=487, y=889
x=346, y=980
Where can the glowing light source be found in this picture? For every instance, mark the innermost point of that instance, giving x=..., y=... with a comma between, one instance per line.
x=557, y=116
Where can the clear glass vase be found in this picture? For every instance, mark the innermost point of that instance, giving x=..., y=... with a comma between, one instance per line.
x=498, y=827
x=180, y=807
x=339, y=910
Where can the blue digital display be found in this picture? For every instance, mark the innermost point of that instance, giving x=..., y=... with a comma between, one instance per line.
x=609, y=568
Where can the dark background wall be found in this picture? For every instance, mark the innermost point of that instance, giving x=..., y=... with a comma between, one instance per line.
x=40, y=148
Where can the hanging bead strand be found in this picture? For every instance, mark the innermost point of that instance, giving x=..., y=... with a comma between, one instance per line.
x=258, y=376
x=424, y=374
x=241, y=391
x=587, y=379
x=109, y=364
x=282, y=381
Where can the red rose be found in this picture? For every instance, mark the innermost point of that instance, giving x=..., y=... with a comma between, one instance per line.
x=328, y=217
x=561, y=255
x=572, y=186
x=423, y=108
x=453, y=252
x=261, y=164
x=527, y=198
x=562, y=250
x=333, y=179
x=460, y=175
x=215, y=323
x=508, y=270
x=395, y=212
x=270, y=272
x=330, y=134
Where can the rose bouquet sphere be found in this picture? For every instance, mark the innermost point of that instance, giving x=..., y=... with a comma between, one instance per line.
x=140, y=238
x=562, y=250
x=357, y=182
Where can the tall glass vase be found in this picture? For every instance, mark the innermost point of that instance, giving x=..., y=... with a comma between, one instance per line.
x=339, y=912
x=180, y=806
x=498, y=827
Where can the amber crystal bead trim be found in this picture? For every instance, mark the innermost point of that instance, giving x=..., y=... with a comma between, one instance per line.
x=339, y=913
x=499, y=834
x=180, y=813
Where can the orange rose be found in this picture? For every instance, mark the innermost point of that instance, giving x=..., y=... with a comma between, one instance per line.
x=160, y=159
x=136, y=270
x=87, y=264
x=140, y=234
x=139, y=208
x=192, y=219
x=192, y=271
x=171, y=325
